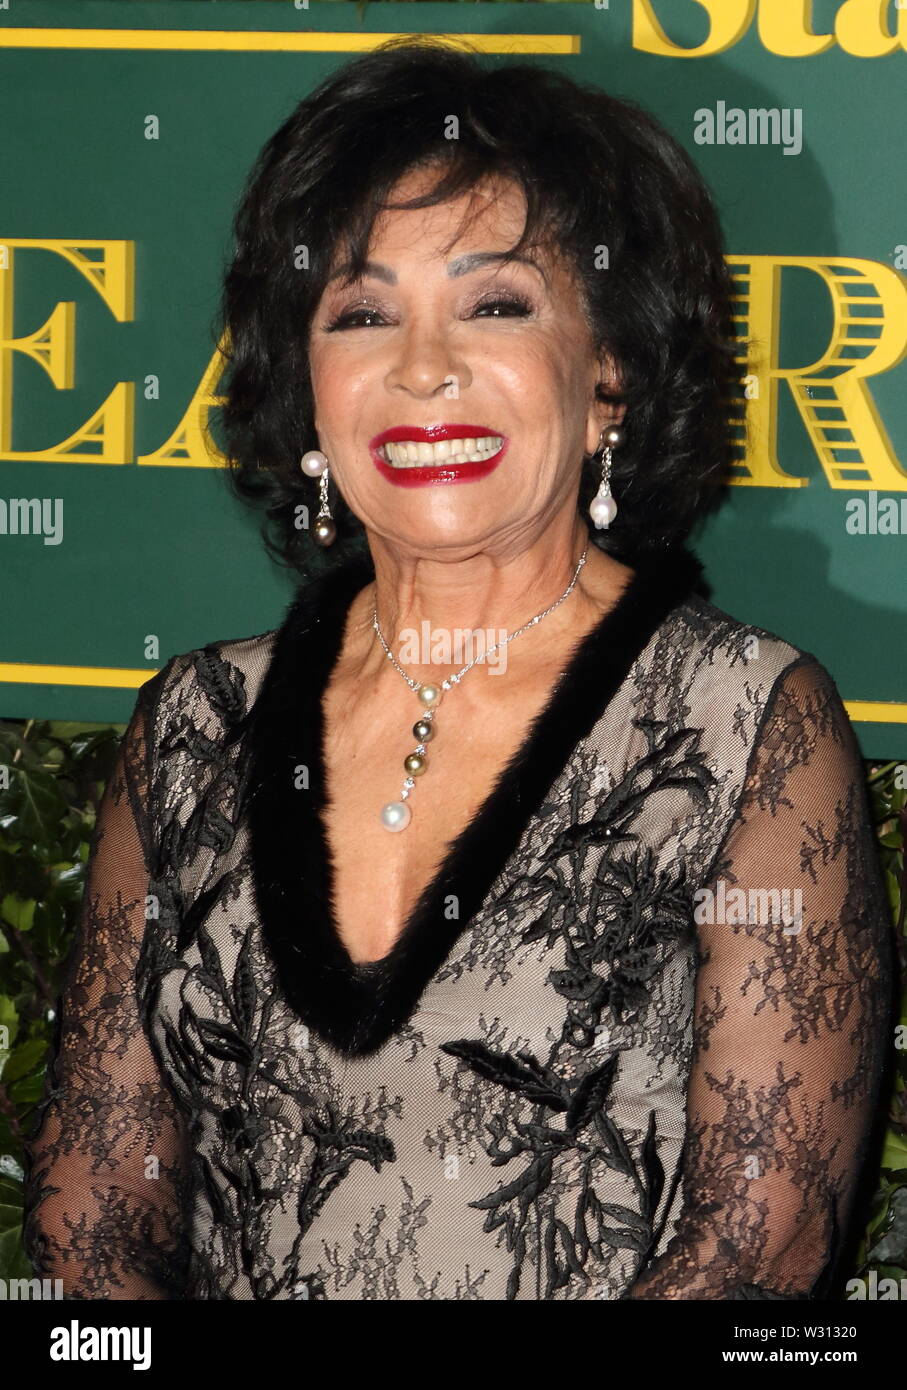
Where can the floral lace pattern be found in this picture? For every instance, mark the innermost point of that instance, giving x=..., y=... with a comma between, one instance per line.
x=647, y=1068
x=104, y=1187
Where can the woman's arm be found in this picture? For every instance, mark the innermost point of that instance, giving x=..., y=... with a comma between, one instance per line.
x=791, y=1019
x=105, y=1165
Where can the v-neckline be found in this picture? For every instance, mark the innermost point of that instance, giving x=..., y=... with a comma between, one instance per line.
x=357, y=1006
x=372, y=967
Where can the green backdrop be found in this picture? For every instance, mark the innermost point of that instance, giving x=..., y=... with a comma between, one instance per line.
x=127, y=131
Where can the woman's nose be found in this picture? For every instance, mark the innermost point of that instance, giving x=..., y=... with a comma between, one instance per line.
x=426, y=362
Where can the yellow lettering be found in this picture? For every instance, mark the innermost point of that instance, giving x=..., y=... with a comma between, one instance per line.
x=108, y=266
x=190, y=445
x=869, y=336
x=785, y=28
x=730, y=20
x=862, y=28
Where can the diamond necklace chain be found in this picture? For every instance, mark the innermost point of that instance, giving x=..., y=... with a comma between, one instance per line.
x=396, y=815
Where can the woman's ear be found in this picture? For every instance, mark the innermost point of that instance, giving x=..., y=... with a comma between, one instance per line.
x=602, y=413
x=609, y=374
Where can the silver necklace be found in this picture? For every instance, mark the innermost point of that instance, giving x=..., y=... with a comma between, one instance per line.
x=396, y=815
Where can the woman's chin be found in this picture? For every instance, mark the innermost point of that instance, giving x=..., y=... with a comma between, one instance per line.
x=435, y=542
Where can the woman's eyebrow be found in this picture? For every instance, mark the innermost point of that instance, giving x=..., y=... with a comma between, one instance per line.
x=461, y=265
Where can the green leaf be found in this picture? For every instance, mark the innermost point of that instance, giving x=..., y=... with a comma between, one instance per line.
x=68, y=880
x=23, y=1059
x=66, y=730
x=13, y=1264
x=9, y=1018
x=18, y=912
x=892, y=884
x=29, y=1089
x=890, y=1246
x=894, y=1154
x=40, y=804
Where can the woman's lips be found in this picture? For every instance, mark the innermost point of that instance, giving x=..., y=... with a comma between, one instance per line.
x=440, y=471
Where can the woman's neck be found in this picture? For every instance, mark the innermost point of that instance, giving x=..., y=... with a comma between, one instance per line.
x=440, y=606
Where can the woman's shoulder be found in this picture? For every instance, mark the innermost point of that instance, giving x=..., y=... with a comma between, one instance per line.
x=216, y=683
x=725, y=661
x=227, y=674
x=718, y=638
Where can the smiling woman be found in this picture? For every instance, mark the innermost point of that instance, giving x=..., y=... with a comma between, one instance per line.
x=481, y=362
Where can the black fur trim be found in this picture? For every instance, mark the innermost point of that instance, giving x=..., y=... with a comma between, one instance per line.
x=357, y=1007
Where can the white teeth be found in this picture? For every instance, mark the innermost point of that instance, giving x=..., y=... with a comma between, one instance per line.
x=408, y=454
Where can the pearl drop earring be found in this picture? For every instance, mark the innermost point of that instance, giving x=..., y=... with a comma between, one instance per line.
x=603, y=508
x=315, y=465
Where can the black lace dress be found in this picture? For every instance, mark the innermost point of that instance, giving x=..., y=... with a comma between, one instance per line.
x=629, y=1044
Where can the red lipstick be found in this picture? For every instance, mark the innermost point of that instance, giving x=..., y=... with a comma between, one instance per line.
x=445, y=471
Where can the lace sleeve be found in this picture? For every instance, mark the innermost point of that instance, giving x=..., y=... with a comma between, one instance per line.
x=105, y=1159
x=793, y=994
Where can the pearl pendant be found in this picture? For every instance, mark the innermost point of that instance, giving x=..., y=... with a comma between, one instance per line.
x=602, y=509
x=395, y=815
x=313, y=463
x=324, y=531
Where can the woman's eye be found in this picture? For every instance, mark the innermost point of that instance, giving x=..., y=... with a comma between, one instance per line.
x=348, y=319
x=513, y=306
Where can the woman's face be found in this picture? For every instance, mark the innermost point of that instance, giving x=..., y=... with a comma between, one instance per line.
x=428, y=340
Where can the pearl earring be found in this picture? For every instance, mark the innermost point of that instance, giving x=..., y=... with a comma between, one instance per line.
x=315, y=465
x=603, y=508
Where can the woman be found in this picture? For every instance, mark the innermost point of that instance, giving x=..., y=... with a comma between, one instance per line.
x=408, y=966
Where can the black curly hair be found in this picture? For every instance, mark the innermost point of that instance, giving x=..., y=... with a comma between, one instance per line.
x=597, y=172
